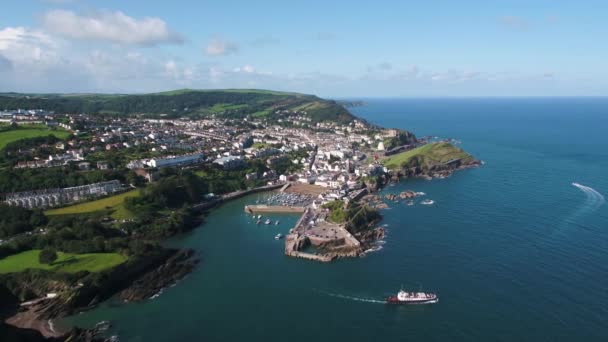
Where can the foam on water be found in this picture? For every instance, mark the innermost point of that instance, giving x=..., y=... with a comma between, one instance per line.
x=594, y=198
x=356, y=299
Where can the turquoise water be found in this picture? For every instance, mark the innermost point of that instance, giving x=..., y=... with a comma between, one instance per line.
x=513, y=249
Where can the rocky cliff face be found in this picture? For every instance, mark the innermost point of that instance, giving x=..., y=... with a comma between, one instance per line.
x=174, y=269
x=436, y=170
x=142, y=278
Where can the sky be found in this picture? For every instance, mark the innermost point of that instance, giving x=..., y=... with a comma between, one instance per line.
x=337, y=48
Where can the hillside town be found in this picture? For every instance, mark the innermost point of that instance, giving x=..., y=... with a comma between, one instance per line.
x=292, y=149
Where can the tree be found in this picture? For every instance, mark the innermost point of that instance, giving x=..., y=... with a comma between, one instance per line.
x=47, y=256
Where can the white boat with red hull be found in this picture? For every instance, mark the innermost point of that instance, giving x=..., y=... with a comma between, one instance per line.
x=404, y=297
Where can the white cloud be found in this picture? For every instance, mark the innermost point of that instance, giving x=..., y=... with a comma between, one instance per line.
x=248, y=69
x=24, y=46
x=221, y=47
x=171, y=68
x=5, y=63
x=114, y=27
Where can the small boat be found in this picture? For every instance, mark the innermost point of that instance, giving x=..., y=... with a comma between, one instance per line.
x=276, y=223
x=427, y=202
x=259, y=216
x=410, y=202
x=259, y=221
x=267, y=221
x=404, y=297
x=278, y=236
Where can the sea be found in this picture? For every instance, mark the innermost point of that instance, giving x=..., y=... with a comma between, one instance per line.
x=517, y=250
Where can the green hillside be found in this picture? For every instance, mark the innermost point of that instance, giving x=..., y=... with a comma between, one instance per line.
x=114, y=203
x=427, y=156
x=228, y=103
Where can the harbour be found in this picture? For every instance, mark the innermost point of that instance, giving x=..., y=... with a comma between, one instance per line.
x=484, y=274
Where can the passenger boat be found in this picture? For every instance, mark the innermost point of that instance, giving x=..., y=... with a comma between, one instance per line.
x=404, y=297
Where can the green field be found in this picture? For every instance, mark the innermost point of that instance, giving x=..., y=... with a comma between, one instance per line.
x=8, y=137
x=65, y=263
x=309, y=106
x=427, y=155
x=114, y=203
x=222, y=107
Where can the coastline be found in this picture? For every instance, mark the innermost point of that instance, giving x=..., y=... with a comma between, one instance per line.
x=149, y=278
x=168, y=272
x=161, y=275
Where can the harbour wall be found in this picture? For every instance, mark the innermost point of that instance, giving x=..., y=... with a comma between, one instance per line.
x=253, y=209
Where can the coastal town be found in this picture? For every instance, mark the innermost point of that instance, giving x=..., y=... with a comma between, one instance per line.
x=111, y=188
x=329, y=155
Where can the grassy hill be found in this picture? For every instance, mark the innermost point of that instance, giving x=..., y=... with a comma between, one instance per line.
x=229, y=103
x=114, y=203
x=65, y=263
x=427, y=156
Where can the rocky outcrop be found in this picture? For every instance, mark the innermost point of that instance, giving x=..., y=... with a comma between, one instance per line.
x=436, y=171
x=371, y=235
x=390, y=197
x=407, y=194
x=15, y=334
x=142, y=277
x=172, y=270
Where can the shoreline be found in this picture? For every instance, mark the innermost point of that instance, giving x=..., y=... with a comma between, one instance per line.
x=28, y=319
x=31, y=320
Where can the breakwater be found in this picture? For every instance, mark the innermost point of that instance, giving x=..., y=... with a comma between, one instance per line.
x=200, y=207
x=263, y=208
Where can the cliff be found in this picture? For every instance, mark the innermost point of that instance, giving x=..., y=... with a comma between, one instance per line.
x=433, y=159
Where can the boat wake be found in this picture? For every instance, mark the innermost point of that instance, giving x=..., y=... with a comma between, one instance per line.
x=594, y=198
x=356, y=299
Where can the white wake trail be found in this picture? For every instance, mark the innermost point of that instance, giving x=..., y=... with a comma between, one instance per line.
x=356, y=299
x=595, y=198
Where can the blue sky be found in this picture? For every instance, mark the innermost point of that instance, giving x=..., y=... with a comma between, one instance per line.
x=329, y=48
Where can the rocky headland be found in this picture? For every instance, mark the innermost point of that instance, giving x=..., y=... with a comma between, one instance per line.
x=433, y=160
x=138, y=280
